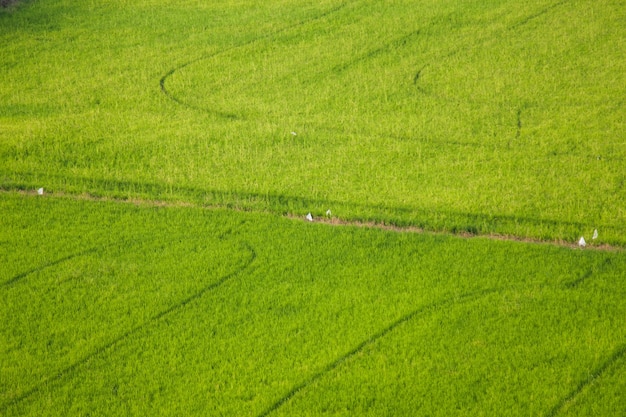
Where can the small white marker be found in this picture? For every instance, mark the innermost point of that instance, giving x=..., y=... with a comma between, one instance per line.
x=294, y=133
x=328, y=213
x=582, y=242
x=595, y=234
x=40, y=191
x=309, y=217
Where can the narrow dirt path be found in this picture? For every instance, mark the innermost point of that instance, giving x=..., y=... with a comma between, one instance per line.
x=328, y=220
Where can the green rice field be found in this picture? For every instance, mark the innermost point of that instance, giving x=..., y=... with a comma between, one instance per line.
x=157, y=162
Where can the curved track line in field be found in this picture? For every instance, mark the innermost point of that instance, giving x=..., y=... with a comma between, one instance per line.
x=389, y=45
x=64, y=259
x=191, y=106
x=537, y=14
x=372, y=53
x=50, y=264
x=455, y=300
x=588, y=274
x=227, y=115
x=619, y=353
x=69, y=370
x=398, y=42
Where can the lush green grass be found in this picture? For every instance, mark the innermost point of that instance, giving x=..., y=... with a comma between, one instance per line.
x=490, y=117
x=113, y=309
x=493, y=117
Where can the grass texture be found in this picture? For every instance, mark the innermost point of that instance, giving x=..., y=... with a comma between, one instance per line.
x=158, y=273
x=487, y=117
x=187, y=311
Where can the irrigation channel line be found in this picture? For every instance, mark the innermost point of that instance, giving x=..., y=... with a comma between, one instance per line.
x=172, y=309
x=193, y=197
x=334, y=221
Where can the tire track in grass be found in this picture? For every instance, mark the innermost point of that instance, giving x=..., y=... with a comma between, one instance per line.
x=603, y=367
x=588, y=274
x=69, y=370
x=95, y=249
x=398, y=42
x=518, y=130
x=227, y=115
x=538, y=14
x=40, y=268
x=455, y=300
x=391, y=45
x=394, y=43
x=618, y=354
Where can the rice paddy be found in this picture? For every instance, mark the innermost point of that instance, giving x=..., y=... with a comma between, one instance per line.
x=450, y=157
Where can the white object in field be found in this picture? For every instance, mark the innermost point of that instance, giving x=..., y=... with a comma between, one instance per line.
x=40, y=191
x=309, y=217
x=328, y=213
x=582, y=242
x=595, y=234
x=294, y=133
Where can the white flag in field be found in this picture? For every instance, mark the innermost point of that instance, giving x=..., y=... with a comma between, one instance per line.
x=595, y=234
x=40, y=191
x=309, y=217
x=328, y=213
x=582, y=242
